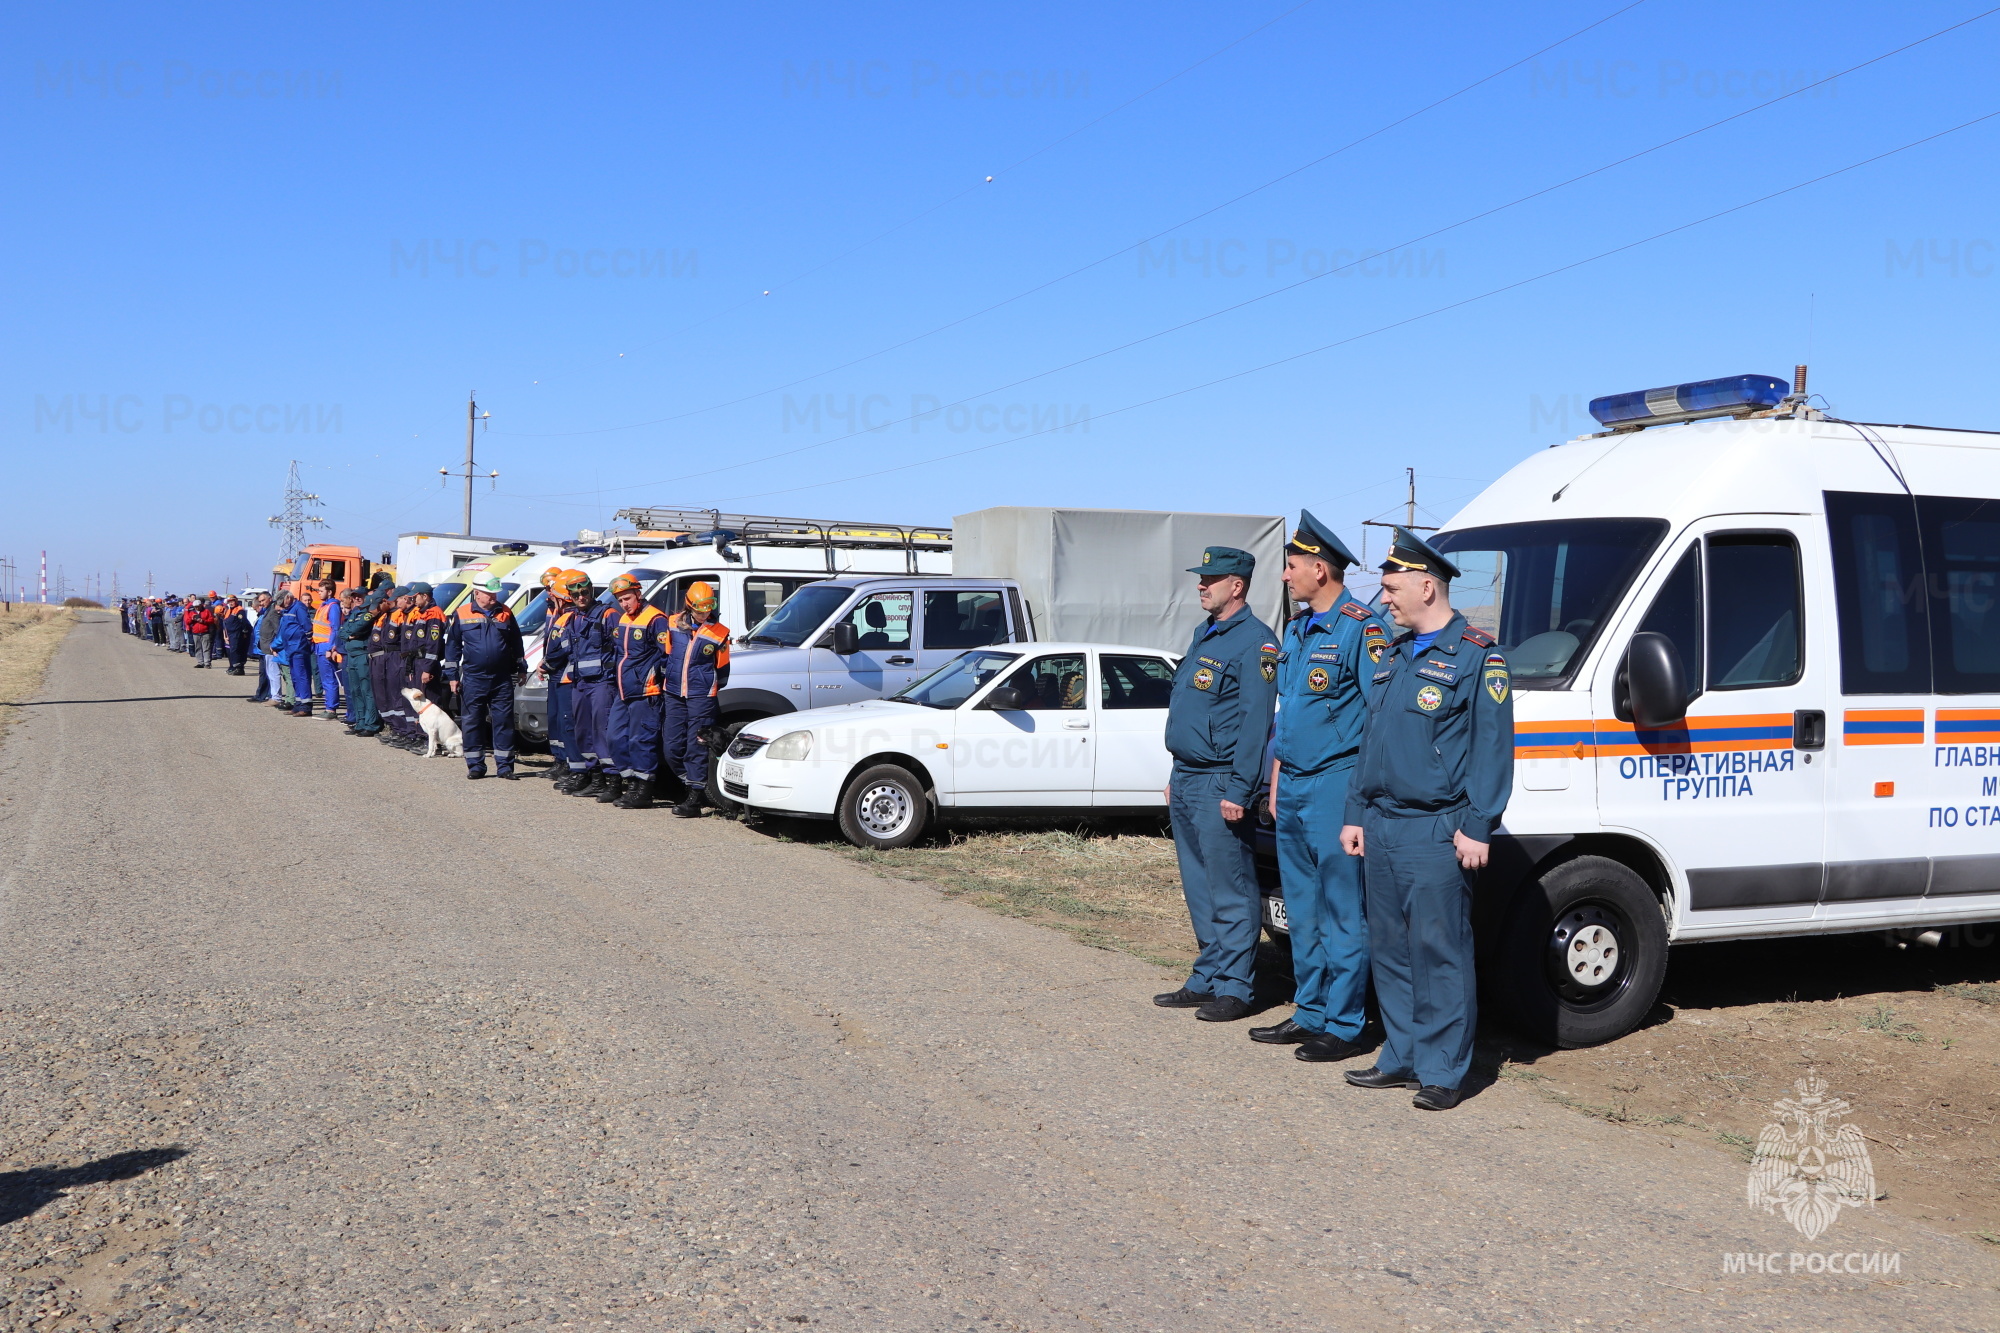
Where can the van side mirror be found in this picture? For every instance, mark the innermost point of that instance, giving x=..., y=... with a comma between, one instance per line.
x=1006, y=699
x=1652, y=684
x=845, y=639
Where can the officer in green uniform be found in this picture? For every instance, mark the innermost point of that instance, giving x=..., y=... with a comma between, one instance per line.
x=1436, y=768
x=1326, y=675
x=1218, y=718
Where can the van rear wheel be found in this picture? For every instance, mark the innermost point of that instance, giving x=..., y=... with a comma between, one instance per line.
x=1584, y=954
x=884, y=808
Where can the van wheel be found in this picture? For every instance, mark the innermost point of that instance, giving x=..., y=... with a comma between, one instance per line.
x=1584, y=954
x=884, y=808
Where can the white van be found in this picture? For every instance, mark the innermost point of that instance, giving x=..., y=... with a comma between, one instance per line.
x=1756, y=665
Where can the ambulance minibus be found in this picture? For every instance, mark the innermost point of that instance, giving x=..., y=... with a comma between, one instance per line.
x=1756, y=671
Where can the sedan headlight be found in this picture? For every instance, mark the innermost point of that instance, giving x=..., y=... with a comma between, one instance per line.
x=791, y=745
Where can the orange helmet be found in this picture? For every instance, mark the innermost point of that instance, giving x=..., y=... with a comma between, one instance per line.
x=574, y=583
x=625, y=583
x=550, y=575
x=701, y=597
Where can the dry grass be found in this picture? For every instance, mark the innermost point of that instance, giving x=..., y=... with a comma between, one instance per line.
x=1107, y=887
x=29, y=636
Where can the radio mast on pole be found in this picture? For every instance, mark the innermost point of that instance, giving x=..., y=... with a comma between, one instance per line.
x=473, y=417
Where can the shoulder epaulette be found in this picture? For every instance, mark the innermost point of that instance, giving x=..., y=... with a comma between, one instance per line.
x=1354, y=611
x=1473, y=634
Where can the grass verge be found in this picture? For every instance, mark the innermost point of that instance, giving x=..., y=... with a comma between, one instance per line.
x=1105, y=886
x=29, y=637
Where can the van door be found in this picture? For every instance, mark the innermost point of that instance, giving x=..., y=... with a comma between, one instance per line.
x=1727, y=795
x=1880, y=778
x=885, y=662
x=1961, y=562
x=1132, y=761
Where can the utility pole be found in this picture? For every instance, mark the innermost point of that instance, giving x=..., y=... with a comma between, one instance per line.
x=1409, y=511
x=473, y=418
x=295, y=520
x=45, y=578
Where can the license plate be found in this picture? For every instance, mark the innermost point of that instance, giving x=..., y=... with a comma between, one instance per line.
x=1274, y=914
x=732, y=773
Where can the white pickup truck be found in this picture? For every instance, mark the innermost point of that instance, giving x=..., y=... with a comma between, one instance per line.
x=1030, y=727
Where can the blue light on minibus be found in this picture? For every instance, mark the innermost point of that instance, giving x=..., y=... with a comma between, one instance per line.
x=1736, y=393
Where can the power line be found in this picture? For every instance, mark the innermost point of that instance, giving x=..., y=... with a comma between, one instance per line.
x=1397, y=324
x=1275, y=292
x=1095, y=263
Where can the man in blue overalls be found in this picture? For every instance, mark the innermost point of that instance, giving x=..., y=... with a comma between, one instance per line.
x=484, y=659
x=1325, y=676
x=1218, y=718
x=1436, y=768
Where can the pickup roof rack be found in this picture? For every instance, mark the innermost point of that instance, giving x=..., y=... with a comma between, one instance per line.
x=675, y=526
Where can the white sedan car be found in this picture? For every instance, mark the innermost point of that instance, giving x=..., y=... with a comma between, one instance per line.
x=1031, y=727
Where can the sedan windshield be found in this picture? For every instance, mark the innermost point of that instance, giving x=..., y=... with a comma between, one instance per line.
x=956, y=681
x=1545, y=589
x=801, y=615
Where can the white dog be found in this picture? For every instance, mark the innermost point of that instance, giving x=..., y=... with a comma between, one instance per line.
x=442, y=733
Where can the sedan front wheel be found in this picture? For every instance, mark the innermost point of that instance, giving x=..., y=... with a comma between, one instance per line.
x=884, y=808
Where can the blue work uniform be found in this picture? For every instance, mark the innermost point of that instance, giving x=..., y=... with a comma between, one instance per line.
x=483, y=653
x=1437, y=758
x=1218, y=718
x=697, y=669
x=588, y=647
x=1325, y=677
x=639, y=644
x=555, y=669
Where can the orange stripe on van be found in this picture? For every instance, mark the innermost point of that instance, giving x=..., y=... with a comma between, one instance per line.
x=1964, y=726
x=1882, y=726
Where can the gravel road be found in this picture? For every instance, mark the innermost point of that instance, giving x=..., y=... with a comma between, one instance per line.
x=303, y=1033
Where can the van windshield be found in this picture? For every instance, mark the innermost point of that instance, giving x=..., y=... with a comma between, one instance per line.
x=1544, y=590
x=802, y=613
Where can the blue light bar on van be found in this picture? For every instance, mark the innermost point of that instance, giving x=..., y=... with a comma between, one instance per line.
x=585, y=549
x=1686, y=402
x=510, y=548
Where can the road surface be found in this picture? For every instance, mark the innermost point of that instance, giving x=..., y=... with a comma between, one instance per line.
x=304, y=1033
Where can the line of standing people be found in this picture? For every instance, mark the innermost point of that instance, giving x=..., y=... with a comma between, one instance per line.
x=1387, y=764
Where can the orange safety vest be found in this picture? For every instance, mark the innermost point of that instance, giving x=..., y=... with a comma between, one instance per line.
x=322, y=628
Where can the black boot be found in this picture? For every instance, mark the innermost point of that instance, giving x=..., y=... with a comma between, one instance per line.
x=575, y=781
x=693, y=804
x=614, y=787
x=638, y=795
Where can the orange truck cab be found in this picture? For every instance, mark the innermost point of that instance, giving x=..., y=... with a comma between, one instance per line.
x=317, y=563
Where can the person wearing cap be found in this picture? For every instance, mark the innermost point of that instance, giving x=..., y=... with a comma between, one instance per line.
x=554, y=670
x=640, y=641
x=295, y=652
x=1218, y=718
x=235, y=626
x=327, y=610
x=198, y=624
x=697, y=669
x=587, y=644
x=386, y=672
x=1435, y=770
x=482, y=658
x=1326, y=675
x=423, y=651
x=357, y=627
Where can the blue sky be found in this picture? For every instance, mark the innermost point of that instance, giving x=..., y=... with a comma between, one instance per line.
x=248, y=234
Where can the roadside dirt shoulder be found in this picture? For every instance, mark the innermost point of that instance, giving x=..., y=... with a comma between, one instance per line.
x=29, y=637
